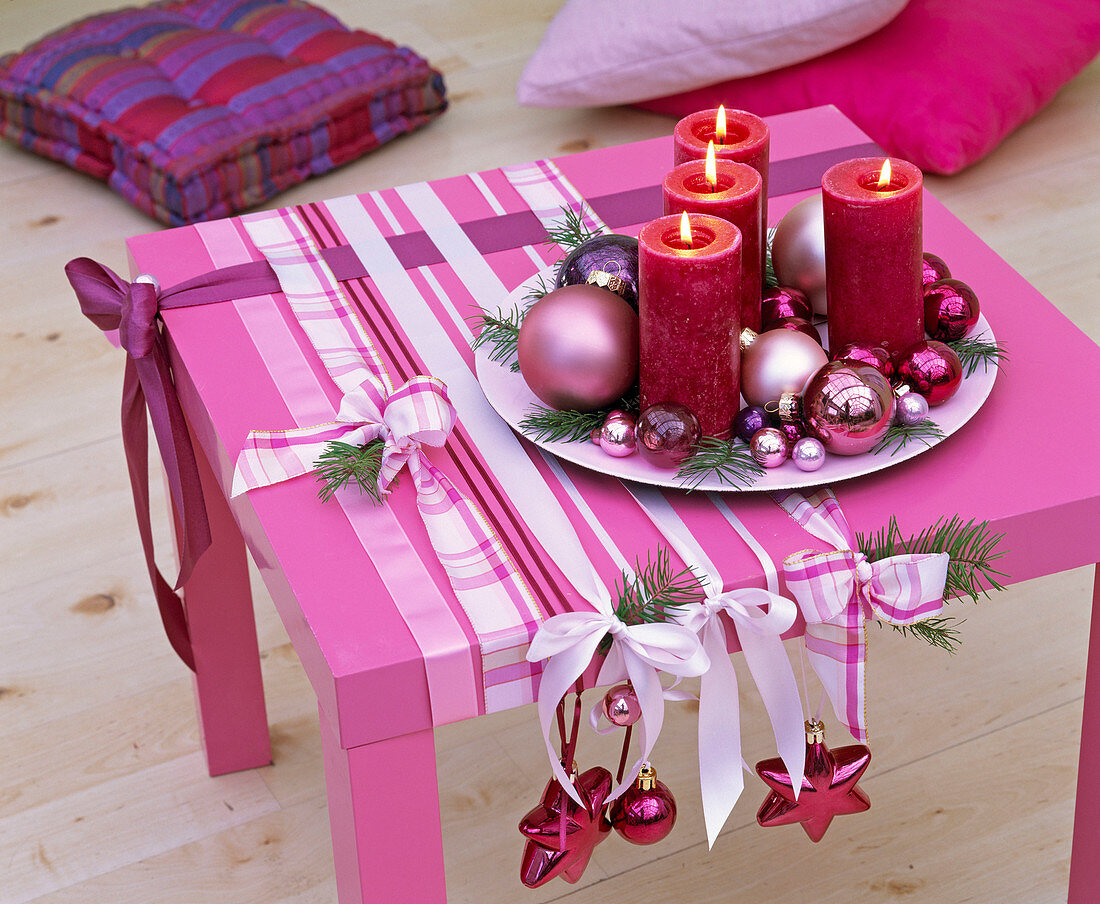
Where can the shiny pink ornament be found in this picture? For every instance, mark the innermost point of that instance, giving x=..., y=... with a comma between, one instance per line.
x=798, y=324
x=617, y=435
x=620, y=705
x=808, y=454
x=585, y=827
x=792, y=433
x=828, y=790
x=646, y=812
x=578, y=348
x=769, y=447
x=784, y=301
x=594, y=435
x=666, y=434
x=932, y=369
x=848, y=406
x=950, y=309
x=874, y=355
x=933, y=268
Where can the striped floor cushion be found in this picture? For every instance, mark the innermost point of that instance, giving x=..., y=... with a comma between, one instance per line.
x=195, y=109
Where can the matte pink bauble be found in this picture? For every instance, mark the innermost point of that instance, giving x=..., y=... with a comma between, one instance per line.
x=848, y=406
x=798, y=251
x=776, y=362
x=950, y=309
x=578, y=348
x=933, y=369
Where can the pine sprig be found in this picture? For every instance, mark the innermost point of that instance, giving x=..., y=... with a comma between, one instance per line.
x=571, y=231
x=551, y=425
x=539, y=288
x=342, y=464
x=654, y=593
x=770, y=279
x=976, y=351
x=499, y=330
x=939, y=631
x=730, y=461
x=900, y=435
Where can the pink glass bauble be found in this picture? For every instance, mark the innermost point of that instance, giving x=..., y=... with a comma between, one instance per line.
x=578, y=348
x=798, y=324
x=617, y=435
x=666, y=433
x=783, y=301
x=950, y=309
x=791, y=433
x=911, y=408
x=848, y=406
x=932, y=369
x=798, y=251
x=620, y=705
x=646, y=812
x=769, y=447
x=776, y=362
x=808, y=454
x=594, y=436
x=933, y=268
x=874, y=355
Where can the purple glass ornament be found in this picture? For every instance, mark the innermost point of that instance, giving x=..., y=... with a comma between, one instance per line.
x=910, y=409
x=808, y=453
x=848, y=406
x=749, y=421
x=950, y=309
x=620, y=705
x=617, y=435
x=933, y=269
x=932, y=369
x=609, y=261
x=769, y=447
x=798, y=324
x=783, y=301
x=646, y=812
x=666, y=434
x=874, y=355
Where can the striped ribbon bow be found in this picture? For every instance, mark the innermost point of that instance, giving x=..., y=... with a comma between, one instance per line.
x=839, y=590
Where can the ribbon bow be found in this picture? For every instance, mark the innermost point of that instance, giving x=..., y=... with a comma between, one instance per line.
x=839, y=590
x=568, y=642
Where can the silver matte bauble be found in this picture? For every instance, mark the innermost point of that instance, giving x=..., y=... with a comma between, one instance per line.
x=798, y=251
x=776, y=362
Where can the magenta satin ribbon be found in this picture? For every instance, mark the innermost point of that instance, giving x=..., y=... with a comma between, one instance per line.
x=112, y=303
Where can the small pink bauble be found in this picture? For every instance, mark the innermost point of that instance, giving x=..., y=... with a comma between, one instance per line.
x=646, y=812
x=798, y=251
x=933, y=268
x=578, y=348
x=808, y=453
x=798, y=324
x=791, y=433
x=769, y=447
x=776, y=362
x=874, y=355
x=933, y=369
x=950, y=309
x=784, y=301
x=848, y=406
x=912, y=408
x=617, y=435
x=667, y=432
x=620, y=705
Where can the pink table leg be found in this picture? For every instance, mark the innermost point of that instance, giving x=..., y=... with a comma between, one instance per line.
x=1084, y=865
x=229, y=692
x=383, y=805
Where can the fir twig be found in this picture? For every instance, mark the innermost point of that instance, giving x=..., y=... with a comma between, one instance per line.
x=770, y=279
x=655, y=592
x=900, y=435
x=940, y=631
x=977, y=351
x=572, y=231
x=538, y=289
x=500, y=331
x=550, y=425
x=730, y=461
x=342, y=464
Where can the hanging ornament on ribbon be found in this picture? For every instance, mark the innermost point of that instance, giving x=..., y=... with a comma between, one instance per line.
x=827, y=790
x=839, y=590
x=646, y=813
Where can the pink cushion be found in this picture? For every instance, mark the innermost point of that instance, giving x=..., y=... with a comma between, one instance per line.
x=941, y=85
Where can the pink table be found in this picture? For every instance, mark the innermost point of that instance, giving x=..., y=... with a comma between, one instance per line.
x=333, y=573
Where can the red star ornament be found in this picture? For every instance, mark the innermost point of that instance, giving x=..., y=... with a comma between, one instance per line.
x=828, y=790
x=544, y=858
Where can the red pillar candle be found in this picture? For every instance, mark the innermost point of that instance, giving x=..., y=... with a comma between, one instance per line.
x=733, y=195
x=873, y=253
x=689, y=318
x=747, y=139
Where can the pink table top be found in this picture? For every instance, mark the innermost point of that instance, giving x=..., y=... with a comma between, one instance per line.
x=332, y=580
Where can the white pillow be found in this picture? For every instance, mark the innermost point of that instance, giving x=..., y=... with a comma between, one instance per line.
x=599, y=52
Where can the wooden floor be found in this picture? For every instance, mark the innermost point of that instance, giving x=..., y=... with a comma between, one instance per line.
x=103, y=794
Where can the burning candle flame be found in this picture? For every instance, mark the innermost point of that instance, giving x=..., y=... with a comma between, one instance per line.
x=685, y=229
x=720, y=125
x=712, y=168
x=884, y=176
